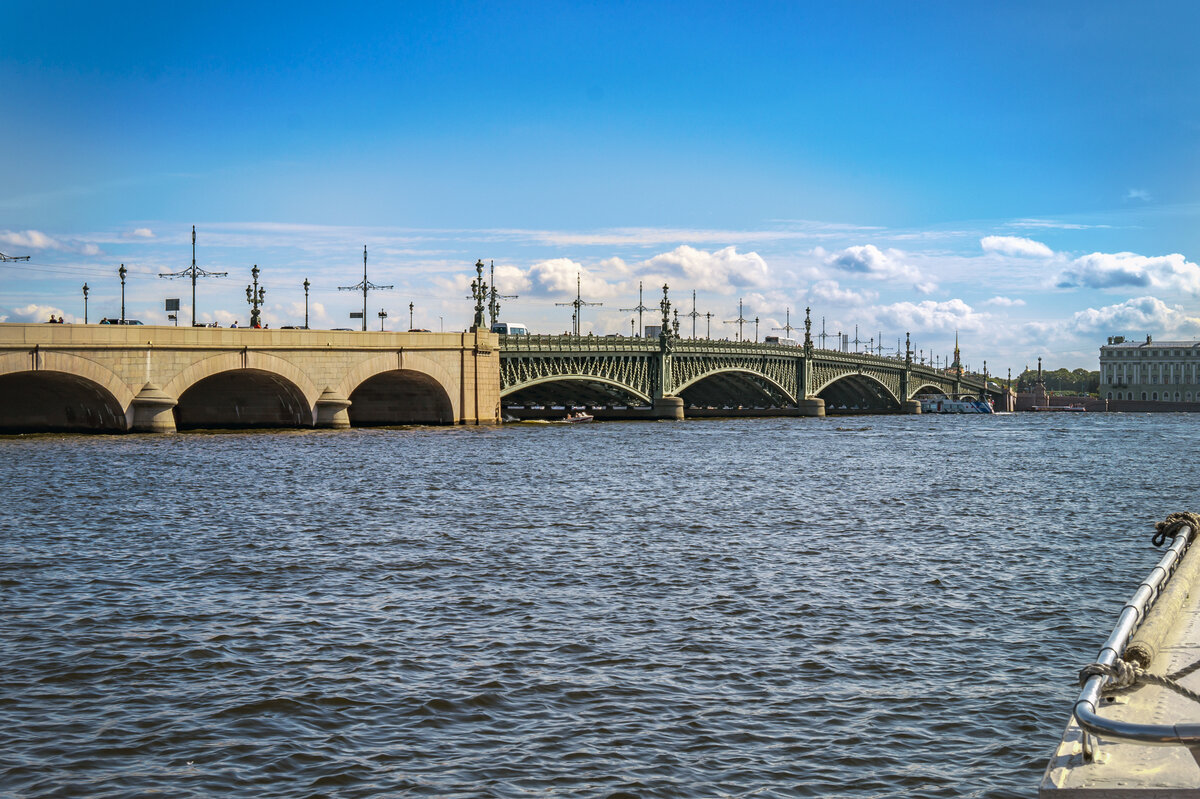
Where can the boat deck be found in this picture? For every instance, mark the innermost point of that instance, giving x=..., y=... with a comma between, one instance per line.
x=1125, y=769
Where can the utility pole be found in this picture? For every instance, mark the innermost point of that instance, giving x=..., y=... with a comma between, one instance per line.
x=741, y=320
x=640, y=307
x=193, y=272
x=577, y=304
x=494, y=302
x=85, y=291
x=787, y=325
x=693, y=314
x=306, y=285
x=823, y=332
x=364, y=287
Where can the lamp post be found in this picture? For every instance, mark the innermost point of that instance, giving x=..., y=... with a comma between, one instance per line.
x=410, y=312
x=306, y=285
x=255, y=296
x=382, y=316
x=85, y=291
x=122, y=272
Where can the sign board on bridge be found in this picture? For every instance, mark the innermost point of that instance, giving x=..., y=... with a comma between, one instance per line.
x=356, y=315
x=173, y=305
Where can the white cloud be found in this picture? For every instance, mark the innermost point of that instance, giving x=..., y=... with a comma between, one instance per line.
x=928, y=316
x=559, y=276
x=828, y=291
x=1138, y=194
x=34, y=313
x=1015, y=245
x=1115, y=270
x=1137, y=316
x=869, y=261
x=36, y=240
x=1052, y=224
x=30, y=239
x=1004, y=302
x=139, y=233
x=723, y=270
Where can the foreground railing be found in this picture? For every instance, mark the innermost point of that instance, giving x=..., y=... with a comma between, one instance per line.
x=1102, y=672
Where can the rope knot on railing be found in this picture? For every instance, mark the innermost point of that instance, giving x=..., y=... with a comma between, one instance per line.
x=1170, y=527
x=1121, y=674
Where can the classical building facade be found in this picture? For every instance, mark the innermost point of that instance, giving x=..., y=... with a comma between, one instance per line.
x=1151, y=371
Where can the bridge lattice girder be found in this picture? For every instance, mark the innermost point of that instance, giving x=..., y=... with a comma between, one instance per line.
x=633, y=364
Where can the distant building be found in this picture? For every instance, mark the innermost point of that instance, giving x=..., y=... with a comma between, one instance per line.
x=1154, y=371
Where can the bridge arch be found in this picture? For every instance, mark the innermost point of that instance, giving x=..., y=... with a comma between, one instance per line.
x=400, y=388
x=930, y=387
x=622, y=388
x=857, y=389
x=788, y=394
x=64, y=392
x=242, y=389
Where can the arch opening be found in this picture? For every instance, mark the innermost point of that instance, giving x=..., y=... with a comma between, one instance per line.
x=242, y=398
x=45, y=402
x=401, y=396
x=573, y=391
x=734, y=389
x=857, y=393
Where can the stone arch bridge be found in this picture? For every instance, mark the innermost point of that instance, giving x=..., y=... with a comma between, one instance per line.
x=159, y=379
x=671, y=378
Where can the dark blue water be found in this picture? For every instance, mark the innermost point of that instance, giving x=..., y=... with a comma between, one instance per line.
x=879, y=606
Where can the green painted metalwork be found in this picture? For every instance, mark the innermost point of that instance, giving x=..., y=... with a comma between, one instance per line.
x=645, y=369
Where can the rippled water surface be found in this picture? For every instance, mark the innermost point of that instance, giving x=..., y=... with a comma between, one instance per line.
x=878, y=606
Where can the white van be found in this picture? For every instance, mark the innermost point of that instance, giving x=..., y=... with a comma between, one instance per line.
x=510, y=329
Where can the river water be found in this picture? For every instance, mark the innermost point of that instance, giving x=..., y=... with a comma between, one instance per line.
x=873, y=606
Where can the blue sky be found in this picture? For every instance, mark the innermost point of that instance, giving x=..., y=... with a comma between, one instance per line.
x=1026, y=174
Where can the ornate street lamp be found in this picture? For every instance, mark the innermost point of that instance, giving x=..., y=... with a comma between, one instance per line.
x=85, y=291
x=410, y=312
x=122, y=272
x=306, y=285
x=255, y=296
x=382, y=316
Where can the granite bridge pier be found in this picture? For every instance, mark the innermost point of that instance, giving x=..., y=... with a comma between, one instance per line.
x=114, y=378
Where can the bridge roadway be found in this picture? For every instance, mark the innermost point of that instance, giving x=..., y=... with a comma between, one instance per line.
x=160, y=379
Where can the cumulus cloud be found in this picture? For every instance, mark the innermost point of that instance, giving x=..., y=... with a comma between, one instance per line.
x=828, y=291
x=34, y=313
x=30, y=239
x=559, y=275
x=139, y=233
x=929, y=316
x=869, y=261
x=1137, y=315
x=1004, y=302
x=1116, y=270
x=723, y=270
x=1015, y=245
x=36, y=240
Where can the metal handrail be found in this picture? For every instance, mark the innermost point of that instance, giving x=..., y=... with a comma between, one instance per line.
x=1131, y=615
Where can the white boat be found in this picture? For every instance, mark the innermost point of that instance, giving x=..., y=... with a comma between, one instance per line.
x=576, y=418
x=938, y=404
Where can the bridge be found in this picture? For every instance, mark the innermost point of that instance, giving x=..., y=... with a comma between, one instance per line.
x=672, y=378
x=111, y=378
x=114, y=378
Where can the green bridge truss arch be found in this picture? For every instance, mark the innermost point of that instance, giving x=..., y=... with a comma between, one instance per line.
x=617, y=368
